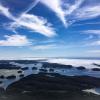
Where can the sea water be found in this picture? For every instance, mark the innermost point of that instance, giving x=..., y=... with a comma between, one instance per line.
x=87, y=63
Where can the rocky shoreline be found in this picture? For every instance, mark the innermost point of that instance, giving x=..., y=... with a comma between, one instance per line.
x=32, y=80
x=51, y=86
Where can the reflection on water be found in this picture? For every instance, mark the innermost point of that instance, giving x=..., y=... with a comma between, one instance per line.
x=7, y=72
x=35, y=69
x=94, y=91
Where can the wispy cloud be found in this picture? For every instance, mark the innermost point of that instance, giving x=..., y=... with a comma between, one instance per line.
x=54, y=46
x=72, y=12
x=56, y=6
x=87, y=12
x=95, y=32
x=15, y=40
x=89, y=37
x=74, y=7
x=32, y=5
x=66, y=11
x=61, y=8
x=5, y=11
x=95, y=43
x=87, y=23
x=44, y=47
x=93, y=51
x=69, y=13
x=35, y=23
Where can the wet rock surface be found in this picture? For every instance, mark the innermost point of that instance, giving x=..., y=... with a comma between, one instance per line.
x=55, y=65
x=11, y=77
x=8, y=66
x=21, y=75
x=34, y=68
x=57, y=82
x=1, y=82
x=49, y=85
x=95, y=69
x=58, y=87
x=98, y=65
x=20, y=71
x=2, y=91
x=2, y=77
x=81, y=68
x=25, y=68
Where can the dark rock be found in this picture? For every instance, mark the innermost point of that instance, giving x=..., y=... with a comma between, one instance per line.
x=1, y=82
x=2, y=76
x=21, y=75
x=26, y=61
x=41, y=82
x=11, y=77
x=56, y=65
x=95, y=69
x=51, y=70
x=96, y=64
x=42, y=70
x=8, y=66
x=68, y=66
x=34, y=68
x=81, y=68
x=25, y=68
x=2, y=91
x=19, y=71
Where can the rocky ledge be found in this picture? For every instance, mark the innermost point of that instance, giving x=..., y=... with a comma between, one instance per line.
x=52, y=86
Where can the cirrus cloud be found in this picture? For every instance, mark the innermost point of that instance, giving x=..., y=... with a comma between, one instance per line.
x=15, y=40
x=44, y=47
x=93, y=51
x=95, y=32
x=61, y=8
x=35, y=23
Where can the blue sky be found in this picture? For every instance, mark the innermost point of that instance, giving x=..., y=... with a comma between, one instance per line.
x=49, y=28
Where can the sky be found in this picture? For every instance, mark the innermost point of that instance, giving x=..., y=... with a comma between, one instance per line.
x=49, y=28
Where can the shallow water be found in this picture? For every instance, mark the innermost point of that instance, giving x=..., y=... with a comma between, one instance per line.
x=94, y=91
x=63, y=71
x=6, y=72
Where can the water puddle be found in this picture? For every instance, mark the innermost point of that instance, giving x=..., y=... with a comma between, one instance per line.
x=94, y=91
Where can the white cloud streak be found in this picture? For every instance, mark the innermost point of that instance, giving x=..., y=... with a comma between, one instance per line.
x=57, y=7
x=68, y=12
x=35, y=23
x=30, y=21
x=87, y=12
x=15, y=40
x=31, y=6
x=95, y=32
x=44, y=47
x=93, y=51
x=74, y=7
x=95, y=43
x=5, y=11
